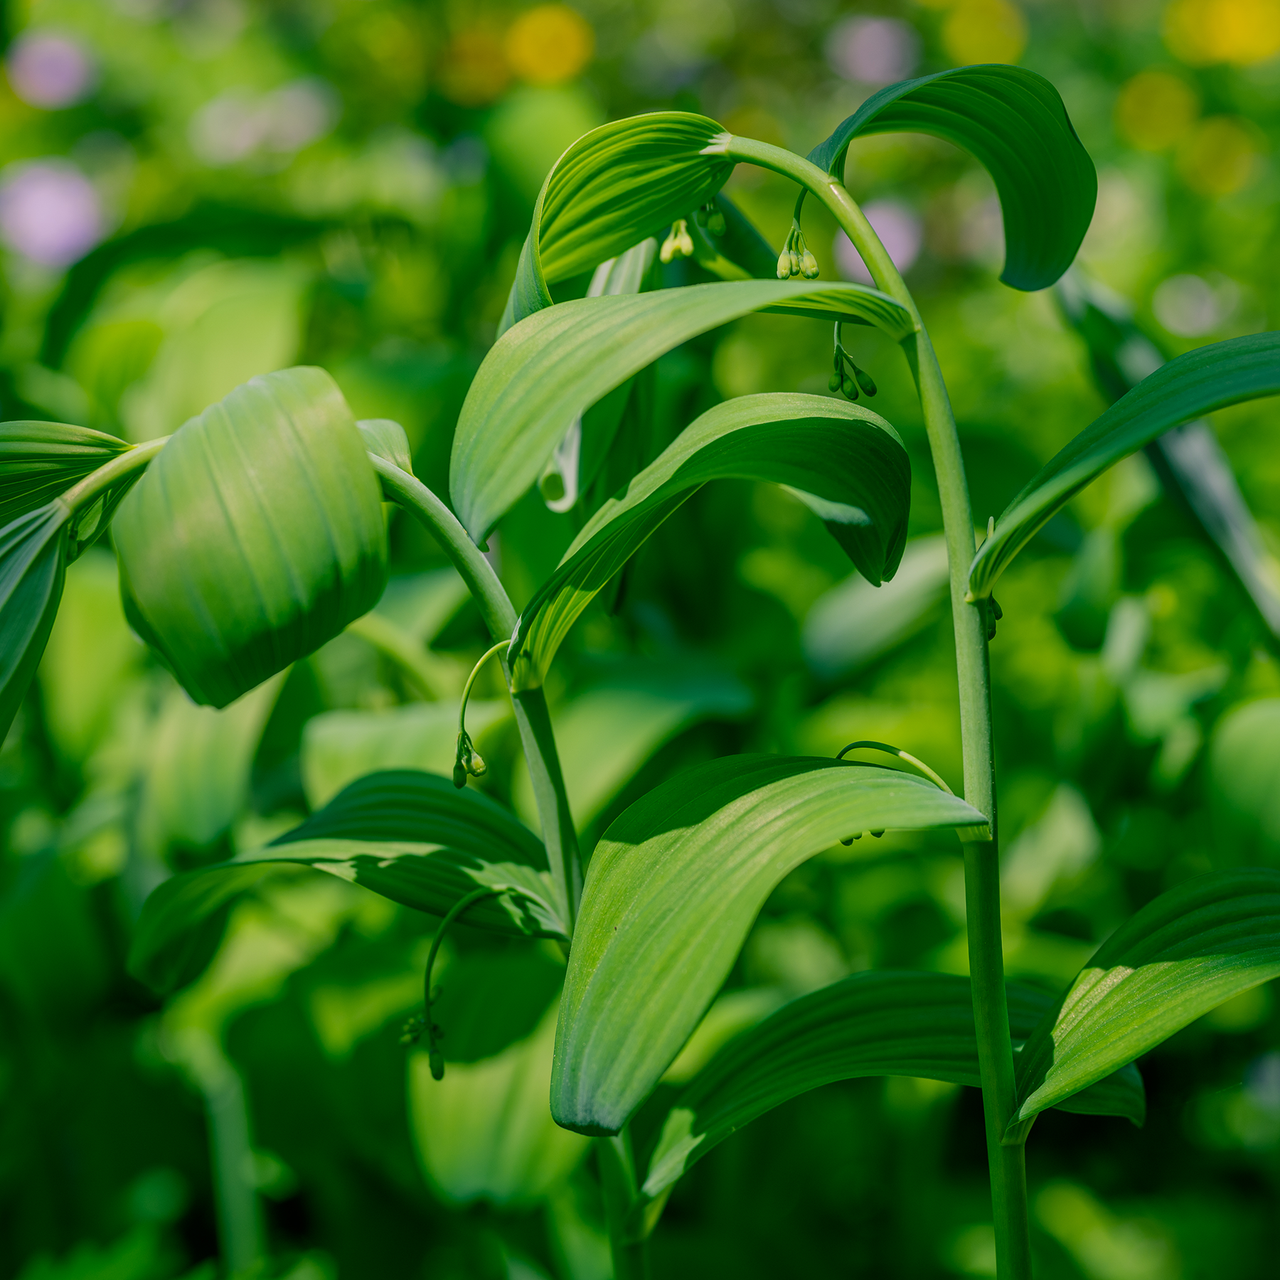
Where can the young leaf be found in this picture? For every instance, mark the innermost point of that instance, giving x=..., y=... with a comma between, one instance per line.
x=409, y=836
x=616, y=185
x=1013, y=122
x=388, y=440
x=33, y=563
x=255, y=536
x=671, y=892
x=1212, y=377
x=1180, y=956
x=845, y=461
x=40, y=460
x=544, y=372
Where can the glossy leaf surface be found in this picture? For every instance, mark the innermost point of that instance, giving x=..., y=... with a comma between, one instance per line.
x=255, y=536
x=1212, y=377
x=671, y=892
x=544, y=372
x=1013, y=122
x=40, y=460
x=845, y=461
x=1180, y=956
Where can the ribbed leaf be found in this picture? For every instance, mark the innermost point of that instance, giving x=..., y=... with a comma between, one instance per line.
x=409, y=836
x=883, y=1023
x=1011, y=121
x=671, y=892
x=255, y=536
x=844, y=460
x=33, y=564
x=39, y=460
x=545, y=371
x=616, y=185
x=1212, y=377
x=1180, y=956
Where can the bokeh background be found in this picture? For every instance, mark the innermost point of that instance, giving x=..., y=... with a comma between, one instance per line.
x=193, y=192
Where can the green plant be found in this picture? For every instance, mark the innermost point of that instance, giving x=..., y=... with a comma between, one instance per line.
x=255, y=534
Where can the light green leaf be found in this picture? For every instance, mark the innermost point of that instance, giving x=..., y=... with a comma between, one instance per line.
x=1180, y=956
x=671, y=892
x=544, y=372
x=255, y=536
x=411, y=837
x=40, y=460
x=614, y=187
x=844, y=461
x=1013, y=122
x=1212, y=377
x=388, y=440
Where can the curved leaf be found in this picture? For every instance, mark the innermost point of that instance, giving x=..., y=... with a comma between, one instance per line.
x=409, y=836
x=40, y=460
x=670, y=894
x=1180, y=956
x=616, y=185
x=255, y=536
x=1212, y=377
x=388, y=440
x=848, y=459
x=545, y=371
x=1011, y=121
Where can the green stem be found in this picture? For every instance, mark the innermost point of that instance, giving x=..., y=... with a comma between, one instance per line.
x=122, y=465
x=618, y=1181
x=533, y=718
x=982, y=883
x=471, y=679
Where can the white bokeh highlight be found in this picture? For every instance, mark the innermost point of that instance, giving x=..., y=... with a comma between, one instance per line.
x=50, y=70
x=873, y=51
x=900, y=230
x=50, y=212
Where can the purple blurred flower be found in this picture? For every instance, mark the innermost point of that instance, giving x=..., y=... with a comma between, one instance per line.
x=49, y=212
x=899, y=229
x=49, y=70
x=873, y=50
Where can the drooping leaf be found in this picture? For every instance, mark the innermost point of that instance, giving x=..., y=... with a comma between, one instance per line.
x=1181, y=955
x=844, y=461
x=671, y=892
x=616, y=185
x=33, y=563
x=1011, y=121
x=1212, y=377
x=255, y=536
x=39, y=460
x=409, y=836
x=543, y=373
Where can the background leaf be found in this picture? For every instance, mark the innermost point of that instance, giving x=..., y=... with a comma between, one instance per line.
x=40, y=460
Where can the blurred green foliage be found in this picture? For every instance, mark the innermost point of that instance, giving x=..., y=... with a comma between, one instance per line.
x=193, y=192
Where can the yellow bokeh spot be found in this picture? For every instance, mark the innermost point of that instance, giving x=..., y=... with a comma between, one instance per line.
x=1218, y=156
x=549, y=44
x=1155, y=109
x=474, y=71
x=1202, y=32
x=984, y=31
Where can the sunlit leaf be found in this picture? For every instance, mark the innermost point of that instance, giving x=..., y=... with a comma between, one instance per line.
x=1180, y=956
x=1013, y=122
x=39, y=460
x=388, y=440
x=255, y=536
x=843, y=460
x=671, y=892
x=545, y=371
x=1212, y=377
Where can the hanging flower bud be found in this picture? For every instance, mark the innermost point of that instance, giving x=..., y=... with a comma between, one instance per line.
x=865, y=381
x=809, y=266
x=784, y=265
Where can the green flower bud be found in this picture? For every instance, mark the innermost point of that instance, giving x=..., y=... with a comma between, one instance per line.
x=833, y=382
x=476, y=766
x=795, y=262
x=809, y=266
x=436, y=1061
x=684, y=241
x=784, y=265
x=865, y=380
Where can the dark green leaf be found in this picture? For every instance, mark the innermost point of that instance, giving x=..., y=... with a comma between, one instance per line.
x=1013, y=122
x=255, y=536
x=845, y=461
x=543, y=373
x=1212, y=377
x=40, y=460
x=671, y=892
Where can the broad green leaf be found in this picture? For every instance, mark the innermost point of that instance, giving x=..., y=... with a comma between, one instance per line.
x=547, y=370
x=1013, y=123
x=1180, y=956
x=844, y=461
x=33, y=564
x=1212, y=377
x=882, y=1023
x=388, y=440
x=671, y=892
x=409, y=836
x=255, y=536
x=614, y=187
x=40, y=460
